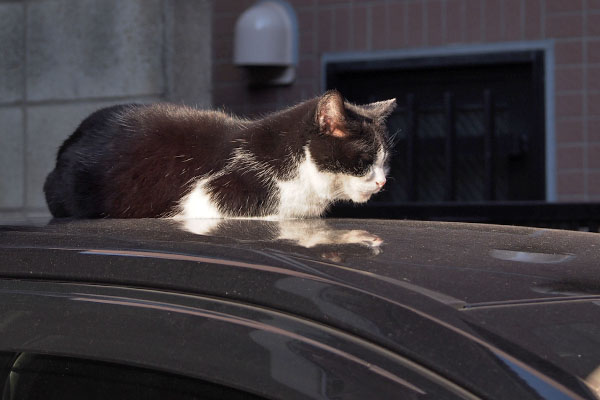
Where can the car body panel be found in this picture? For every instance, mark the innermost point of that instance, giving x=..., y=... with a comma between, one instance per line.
x=255, y=349
x=445, y=296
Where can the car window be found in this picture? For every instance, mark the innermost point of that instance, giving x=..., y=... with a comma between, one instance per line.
x=27, y=376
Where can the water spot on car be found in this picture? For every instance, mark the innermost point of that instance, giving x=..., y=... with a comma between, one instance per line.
x=531, y=257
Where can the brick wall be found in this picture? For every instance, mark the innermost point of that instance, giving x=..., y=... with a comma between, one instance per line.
x=361, y=25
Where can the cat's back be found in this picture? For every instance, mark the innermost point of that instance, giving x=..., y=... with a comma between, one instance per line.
x=173, y=121
x=168, y=132
x=164, y=149
x=149, y=130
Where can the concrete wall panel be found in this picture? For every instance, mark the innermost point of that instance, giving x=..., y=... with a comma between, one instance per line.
x=80, y=49
x=62, y=59
x=189, y=52
x=12, y=49
x=11, y=157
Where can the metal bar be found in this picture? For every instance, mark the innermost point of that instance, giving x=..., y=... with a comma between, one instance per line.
x=450, y=147
x=525, y=213
x=489, y=151
x=411, y=147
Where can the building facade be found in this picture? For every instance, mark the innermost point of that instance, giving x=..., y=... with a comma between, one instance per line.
x=524, y=72
x=565, y=33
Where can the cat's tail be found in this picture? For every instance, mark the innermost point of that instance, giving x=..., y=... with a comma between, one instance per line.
x=54, y=197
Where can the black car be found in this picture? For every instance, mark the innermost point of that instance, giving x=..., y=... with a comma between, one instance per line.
x=300, y=309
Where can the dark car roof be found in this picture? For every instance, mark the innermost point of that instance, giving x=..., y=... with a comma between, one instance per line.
x=475, y=303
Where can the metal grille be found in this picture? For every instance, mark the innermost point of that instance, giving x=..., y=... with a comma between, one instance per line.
x=447, y=153
x=469, y=129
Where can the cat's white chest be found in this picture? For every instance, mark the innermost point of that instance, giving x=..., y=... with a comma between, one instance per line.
x=308, y=194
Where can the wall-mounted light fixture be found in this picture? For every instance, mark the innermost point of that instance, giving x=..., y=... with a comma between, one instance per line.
x=266, y=42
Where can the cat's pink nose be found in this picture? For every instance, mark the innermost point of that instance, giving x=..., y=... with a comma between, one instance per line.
x=380, y=183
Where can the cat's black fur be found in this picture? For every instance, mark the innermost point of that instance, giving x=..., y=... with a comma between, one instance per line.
x=132, y=161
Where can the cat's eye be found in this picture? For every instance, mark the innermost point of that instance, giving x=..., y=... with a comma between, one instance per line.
x=366, y=157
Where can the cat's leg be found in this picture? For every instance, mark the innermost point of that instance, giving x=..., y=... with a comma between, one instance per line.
x=243, y=193
x=199, y=203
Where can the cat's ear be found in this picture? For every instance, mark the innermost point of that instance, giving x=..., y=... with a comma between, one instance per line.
x=330, y=114
x=382, y=109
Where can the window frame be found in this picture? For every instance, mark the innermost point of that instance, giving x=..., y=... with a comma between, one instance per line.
x=457, y=55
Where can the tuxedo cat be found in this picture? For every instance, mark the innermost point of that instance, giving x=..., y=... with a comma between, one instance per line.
x=164, y=160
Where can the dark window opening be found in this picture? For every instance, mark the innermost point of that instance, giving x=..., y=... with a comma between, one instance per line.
x=469, y=128
x=28, y=376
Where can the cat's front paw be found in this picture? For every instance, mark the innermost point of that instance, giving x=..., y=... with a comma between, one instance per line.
x=361, y=237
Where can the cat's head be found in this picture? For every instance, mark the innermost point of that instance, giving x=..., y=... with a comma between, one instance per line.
x=352, y=143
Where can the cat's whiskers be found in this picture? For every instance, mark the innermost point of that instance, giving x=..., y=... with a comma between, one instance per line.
x=392, y=140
